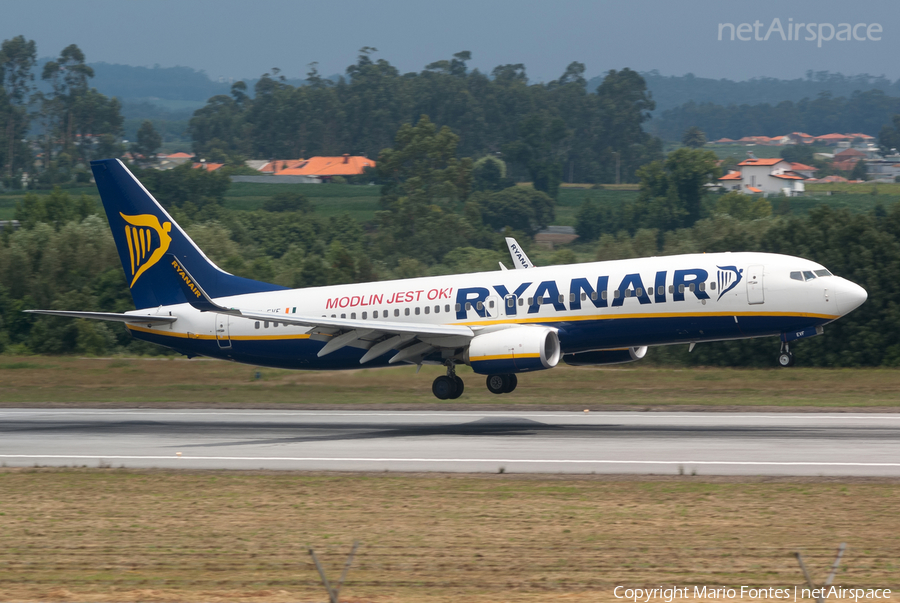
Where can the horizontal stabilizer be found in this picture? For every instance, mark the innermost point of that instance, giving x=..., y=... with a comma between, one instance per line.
x=112, y=316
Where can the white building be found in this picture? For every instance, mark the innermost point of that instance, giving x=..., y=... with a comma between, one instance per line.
x=768, y=176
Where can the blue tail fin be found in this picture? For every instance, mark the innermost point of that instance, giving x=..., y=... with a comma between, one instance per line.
x=145, y=233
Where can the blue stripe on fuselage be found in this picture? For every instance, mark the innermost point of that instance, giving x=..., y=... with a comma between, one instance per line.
x=574, y=336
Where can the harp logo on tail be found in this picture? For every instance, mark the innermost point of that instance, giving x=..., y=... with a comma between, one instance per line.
x=148, y=241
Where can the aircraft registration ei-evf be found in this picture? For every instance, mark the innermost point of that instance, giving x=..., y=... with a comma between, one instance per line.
x=500, y=323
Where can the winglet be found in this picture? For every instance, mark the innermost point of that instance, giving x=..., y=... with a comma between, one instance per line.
x=519, y=259
x=194, y=293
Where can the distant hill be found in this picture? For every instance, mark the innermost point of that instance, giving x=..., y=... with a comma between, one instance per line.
x=672, y=91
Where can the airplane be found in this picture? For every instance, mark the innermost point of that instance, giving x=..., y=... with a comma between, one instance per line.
x=500, y=323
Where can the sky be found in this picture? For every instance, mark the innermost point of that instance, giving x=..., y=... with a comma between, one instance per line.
x=242, y=39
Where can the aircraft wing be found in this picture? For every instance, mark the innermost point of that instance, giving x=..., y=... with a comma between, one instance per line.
x=111, y=316
x=413, y=341
x=519, y=259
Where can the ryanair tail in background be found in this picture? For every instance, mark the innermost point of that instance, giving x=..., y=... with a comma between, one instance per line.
x=145, y=234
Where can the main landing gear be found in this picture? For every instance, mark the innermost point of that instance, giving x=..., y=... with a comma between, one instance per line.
x=785, y=358
x=449, y=387
x=502, y=384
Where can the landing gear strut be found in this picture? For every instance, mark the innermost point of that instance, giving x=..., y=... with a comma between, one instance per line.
x=502, y=384
x=449, y=387
x=785, y=358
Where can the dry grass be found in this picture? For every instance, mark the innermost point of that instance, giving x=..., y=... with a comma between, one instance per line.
x=125, y=535
x=67, y=381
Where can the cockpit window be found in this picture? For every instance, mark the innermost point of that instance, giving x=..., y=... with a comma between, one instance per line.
x=823, y=272
x=808, y=275
x=797, y=276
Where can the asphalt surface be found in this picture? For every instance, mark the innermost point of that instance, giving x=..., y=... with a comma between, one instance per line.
x=539, y=442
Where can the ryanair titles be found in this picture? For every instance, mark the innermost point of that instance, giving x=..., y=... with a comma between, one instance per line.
x=548, y=293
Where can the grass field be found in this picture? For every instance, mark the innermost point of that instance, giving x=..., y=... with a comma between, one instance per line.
x=125, y=535
x=67, y=381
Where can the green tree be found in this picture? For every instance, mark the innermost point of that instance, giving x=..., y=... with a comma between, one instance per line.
x=797, y=153
x=859, y=171
x=743, y=207
x=673, y=192
x=889, y=137
x=288, y=201
x=693, y=138
x=517, y=207
x=17, y=60
x=148, y=141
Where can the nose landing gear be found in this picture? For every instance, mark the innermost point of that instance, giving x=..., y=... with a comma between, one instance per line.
x=449, y=387
x=785, y=358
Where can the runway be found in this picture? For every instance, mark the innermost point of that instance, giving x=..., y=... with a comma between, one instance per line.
x=541, y=442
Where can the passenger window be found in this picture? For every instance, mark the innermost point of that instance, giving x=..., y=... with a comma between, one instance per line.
x=628, y=292
x=572, y=297
x=479, y=306
x=396, y=312
x=353, y=315
x=530, y=301
x=702, y=286
x=639, y=292
x=266, y=323
x=681, y=288
x=458, y=308
x=343, y=316
x=468, y=306
x=491, y=304
x=584, y=296
x=406, y=311
x=712, y=286
x=604, y=294
x=562, y=298
x=594, y=295
x=364, y=314
x=809, y=275
x=616, y=294
x=256, y=325
x=447, y=308
x=417, y=310
x=427, y=309
x=661, y=290
x=822, y=273
x=510, y=302
x=672, y=289
x=521, y=301
x=691, y=287
x=797, y=276
x=275, y=324
x=540, y=301
x=437, y=309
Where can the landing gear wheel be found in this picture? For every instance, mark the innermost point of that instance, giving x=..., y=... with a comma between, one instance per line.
x=444, y=388
x=785, y=359
x=513, y=381
x=460, y=387
x=497, y=384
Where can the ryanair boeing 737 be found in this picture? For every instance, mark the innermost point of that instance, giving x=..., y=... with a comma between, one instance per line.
x=500, y=323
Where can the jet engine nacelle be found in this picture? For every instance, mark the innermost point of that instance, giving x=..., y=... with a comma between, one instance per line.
x=595, y=357
x=514, y=350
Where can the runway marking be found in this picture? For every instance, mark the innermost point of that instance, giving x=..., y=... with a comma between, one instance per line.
x=499, y=414
x=418, y=460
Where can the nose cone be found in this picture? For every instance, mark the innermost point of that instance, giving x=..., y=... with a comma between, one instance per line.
x=850, y=296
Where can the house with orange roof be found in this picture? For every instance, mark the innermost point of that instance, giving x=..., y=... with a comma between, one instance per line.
x=329, y=167
x=807, y=171
x=833, y=139
x=764, y=175
x=209, y=167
